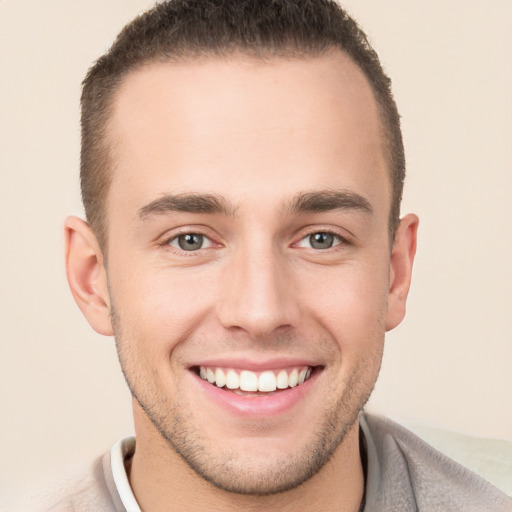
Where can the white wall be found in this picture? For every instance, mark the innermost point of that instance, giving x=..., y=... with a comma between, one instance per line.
x=62, y=396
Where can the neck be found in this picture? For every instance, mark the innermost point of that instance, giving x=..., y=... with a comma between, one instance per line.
x=160, y=477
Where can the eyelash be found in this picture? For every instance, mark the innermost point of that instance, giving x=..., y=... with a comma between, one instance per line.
x=167, y=243
x=339, y=239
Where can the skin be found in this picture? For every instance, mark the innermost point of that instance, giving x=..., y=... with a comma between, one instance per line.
x=256, y=135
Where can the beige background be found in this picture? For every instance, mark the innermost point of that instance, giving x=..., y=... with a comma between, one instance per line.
x=62, y=396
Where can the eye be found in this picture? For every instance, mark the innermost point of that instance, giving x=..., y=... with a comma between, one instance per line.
x=190, y=242
x=320, y=240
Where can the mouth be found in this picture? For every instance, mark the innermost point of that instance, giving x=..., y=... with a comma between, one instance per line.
x=247, y=382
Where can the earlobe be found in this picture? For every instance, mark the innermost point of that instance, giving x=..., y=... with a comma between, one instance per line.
x=402, y=259
x=86, y=274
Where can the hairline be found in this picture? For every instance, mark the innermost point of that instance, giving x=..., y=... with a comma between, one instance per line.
x=235, y=54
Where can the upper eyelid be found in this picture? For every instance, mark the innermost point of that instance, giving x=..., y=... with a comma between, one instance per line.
x=168, y=241
x=340, y=239
x=330, y=231
x=173, y=233
x=308, y=231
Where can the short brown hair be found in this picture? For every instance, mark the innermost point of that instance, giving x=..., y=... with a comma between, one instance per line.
x=183, y=29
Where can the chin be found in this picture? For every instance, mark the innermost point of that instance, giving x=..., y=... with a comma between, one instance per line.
x=262, y=464
x=248, y=470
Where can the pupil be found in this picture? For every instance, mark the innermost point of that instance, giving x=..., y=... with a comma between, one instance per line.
x=321, y=240
x=190, y=242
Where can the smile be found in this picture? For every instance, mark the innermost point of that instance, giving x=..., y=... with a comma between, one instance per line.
x=249, y=381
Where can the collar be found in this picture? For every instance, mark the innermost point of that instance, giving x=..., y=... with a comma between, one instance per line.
x=121, y=452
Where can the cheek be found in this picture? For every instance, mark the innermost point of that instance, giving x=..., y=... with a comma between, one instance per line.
x=162, y=306
x=352, y=303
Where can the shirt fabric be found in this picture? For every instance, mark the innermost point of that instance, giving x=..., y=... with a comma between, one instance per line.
x=403, y=474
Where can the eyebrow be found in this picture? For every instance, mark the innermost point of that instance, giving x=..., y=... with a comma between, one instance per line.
x=187, y=203
x=327, y=200
x=305, y=202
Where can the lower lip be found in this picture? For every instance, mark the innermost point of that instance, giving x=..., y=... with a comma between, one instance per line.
x=257, y=405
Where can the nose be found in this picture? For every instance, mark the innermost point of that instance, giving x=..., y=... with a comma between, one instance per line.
x=259, y=293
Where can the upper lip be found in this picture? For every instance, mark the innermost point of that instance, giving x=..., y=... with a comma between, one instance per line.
x=255, y=365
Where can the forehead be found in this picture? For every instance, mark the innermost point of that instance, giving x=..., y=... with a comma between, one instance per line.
x=243, y=127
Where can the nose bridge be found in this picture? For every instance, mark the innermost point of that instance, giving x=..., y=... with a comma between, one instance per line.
x=257, y=296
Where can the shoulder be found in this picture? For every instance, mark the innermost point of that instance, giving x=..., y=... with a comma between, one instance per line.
x=405, y=473
x=86, y=487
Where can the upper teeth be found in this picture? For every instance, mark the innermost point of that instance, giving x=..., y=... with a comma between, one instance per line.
x=246, y=380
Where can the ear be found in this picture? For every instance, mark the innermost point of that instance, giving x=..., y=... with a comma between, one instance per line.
x=86, y=274
x=402, y=258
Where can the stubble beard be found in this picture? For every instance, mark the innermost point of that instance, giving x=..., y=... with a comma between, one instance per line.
x=231, y=471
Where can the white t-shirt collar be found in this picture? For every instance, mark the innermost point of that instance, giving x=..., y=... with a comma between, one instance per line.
x=119, y=452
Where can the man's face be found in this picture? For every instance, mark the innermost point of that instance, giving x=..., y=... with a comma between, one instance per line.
x=248, y=240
